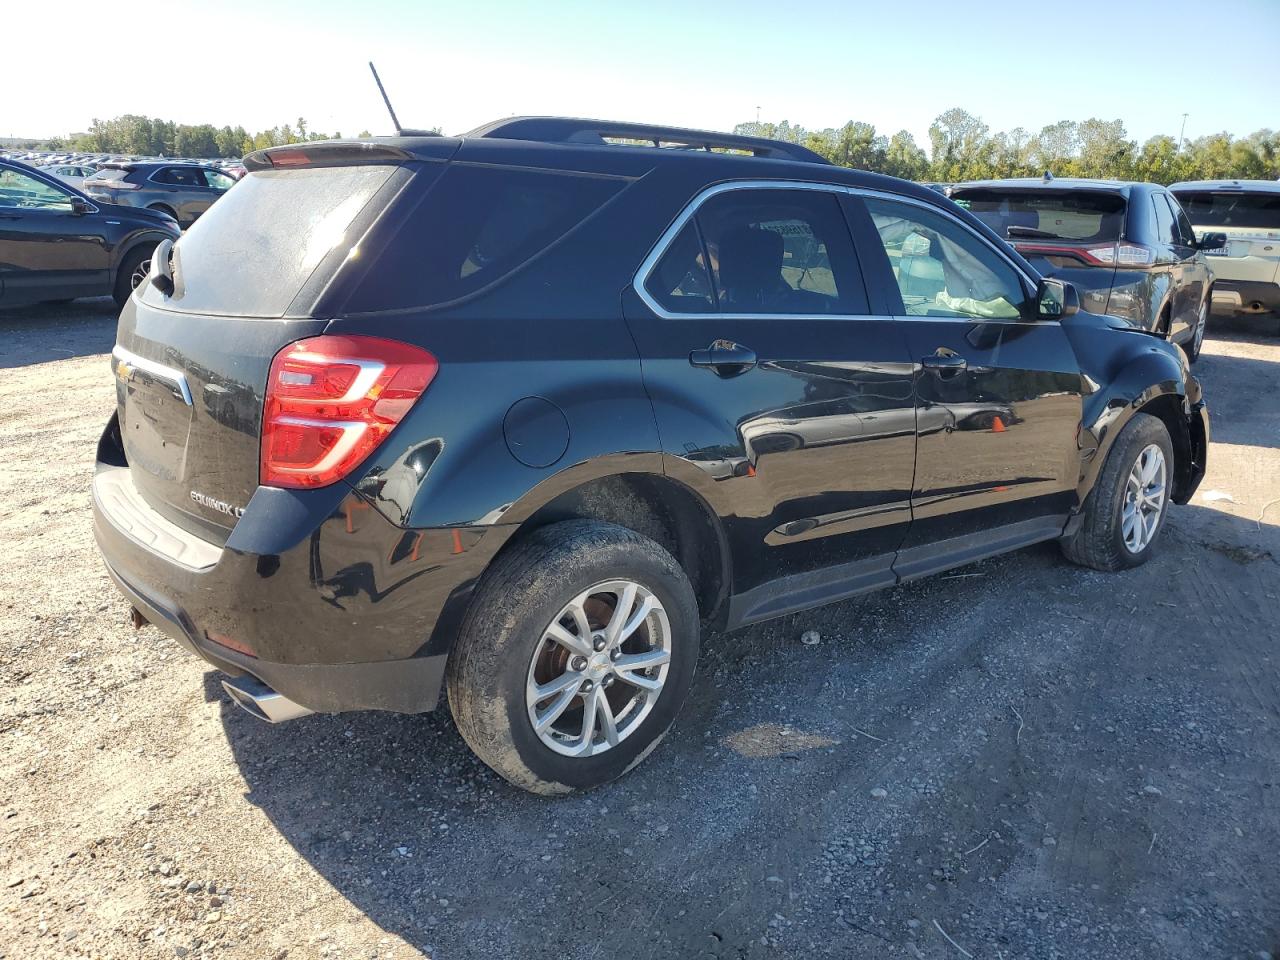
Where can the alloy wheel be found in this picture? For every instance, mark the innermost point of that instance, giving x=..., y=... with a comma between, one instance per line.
x=599, y=668
x=139, y=274
x=1145, y=495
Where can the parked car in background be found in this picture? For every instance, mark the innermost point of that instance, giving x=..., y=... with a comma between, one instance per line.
x=579, y=395
x=72, y=173
x=183, y=191
x=1247, y=213
x=1128, y=248
x=57, y=244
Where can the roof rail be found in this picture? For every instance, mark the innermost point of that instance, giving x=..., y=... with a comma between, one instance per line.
x=600, y=132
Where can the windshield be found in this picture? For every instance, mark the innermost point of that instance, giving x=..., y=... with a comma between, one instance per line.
x=1080, y=216
x=1259, y=211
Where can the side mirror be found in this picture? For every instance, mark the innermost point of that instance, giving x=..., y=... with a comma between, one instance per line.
x=79, y=206
x=1056, y=299
x=1212, y=241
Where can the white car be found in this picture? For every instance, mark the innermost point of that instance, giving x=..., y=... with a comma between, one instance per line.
x=1247, y=269
x=72, y=173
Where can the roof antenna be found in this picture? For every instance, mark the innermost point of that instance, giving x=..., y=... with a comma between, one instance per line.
x=378, y=80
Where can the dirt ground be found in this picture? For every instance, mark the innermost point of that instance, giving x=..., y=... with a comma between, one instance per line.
x=1019, y=759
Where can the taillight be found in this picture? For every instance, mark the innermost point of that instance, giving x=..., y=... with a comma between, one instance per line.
x=331, y=400
x=112, y=184
x=1094, y=254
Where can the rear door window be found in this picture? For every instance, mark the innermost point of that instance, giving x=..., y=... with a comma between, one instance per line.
x=219, y=181
x=254, y=249
x=476, y=226
x=780, y=252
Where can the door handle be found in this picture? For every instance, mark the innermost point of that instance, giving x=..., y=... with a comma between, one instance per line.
x=945, y=364
x=726, y=358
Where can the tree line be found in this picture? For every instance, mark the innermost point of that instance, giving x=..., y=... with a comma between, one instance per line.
x=146, y=136
x=963, y=147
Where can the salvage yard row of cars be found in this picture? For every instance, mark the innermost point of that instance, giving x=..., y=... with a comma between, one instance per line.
x=589, y=387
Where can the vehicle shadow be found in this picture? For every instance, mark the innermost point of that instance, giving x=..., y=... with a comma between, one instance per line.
x=418, y=835
x=1233, y=387
x=44, y=332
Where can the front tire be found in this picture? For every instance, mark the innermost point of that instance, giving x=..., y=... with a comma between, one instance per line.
x=575, y=656
x=1129, y=503
x=130, y=275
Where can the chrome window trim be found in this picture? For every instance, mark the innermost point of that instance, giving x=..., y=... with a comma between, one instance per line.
x=690, y=210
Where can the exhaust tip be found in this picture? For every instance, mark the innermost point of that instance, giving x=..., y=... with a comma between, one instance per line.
x=256, y=698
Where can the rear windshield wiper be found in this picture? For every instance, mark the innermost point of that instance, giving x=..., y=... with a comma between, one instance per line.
x=1017, y=231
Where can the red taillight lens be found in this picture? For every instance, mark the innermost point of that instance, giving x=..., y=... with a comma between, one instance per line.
x=331, y=400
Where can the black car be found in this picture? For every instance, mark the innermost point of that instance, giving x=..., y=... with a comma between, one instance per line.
x=57, y=244
x=184, y=191
x=512, y=414
x=1127, y=247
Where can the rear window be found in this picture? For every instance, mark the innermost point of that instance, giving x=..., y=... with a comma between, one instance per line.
x=1077, y=215
x=1256, y=211
x=476, y=226
x=254, y=249
x=111, y=173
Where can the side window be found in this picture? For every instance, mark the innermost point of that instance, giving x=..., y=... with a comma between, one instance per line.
x=781, y=252
x=219, y=181
x=1181, y=225
x=18, y=189
x=164, y=176
x=681, y=282
x=1164, y=220
x=942, y=269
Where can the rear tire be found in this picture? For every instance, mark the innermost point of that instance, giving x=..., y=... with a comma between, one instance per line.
x=1196, y=343
x=130, y=275
x=518, y=657
x=1123, y=517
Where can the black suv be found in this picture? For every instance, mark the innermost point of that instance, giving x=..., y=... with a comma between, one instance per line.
x=513, y=413
x=1127, y=247
x=56, y=244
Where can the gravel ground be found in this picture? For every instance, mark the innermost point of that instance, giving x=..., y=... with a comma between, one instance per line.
x=1020, y=759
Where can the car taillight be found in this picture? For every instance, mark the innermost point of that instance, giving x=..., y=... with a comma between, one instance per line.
x=1094, y=254
x=331, y=400
x=1128, y=255
x=112, y=184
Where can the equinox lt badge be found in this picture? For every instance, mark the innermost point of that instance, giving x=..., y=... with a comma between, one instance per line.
x=220, y=505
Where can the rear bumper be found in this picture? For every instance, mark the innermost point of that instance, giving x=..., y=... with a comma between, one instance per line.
x=1249, y=296
x=335, y=613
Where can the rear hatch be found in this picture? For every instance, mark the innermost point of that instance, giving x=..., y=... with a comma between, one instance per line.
x=192, y=366
x=109, y=183
x=1251, y=221
x=1071, y=234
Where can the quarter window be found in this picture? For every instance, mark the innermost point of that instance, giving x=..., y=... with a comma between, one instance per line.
x=1164, y=220
x=942, y=269
x=681, y=282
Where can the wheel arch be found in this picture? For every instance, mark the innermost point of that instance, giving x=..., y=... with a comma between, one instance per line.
x=1154, y=383
x=658, y=507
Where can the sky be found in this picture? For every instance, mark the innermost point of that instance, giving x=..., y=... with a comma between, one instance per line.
x=818, y=63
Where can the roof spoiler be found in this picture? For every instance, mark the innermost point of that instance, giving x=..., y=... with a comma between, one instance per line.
x=601, y=132
x=324, y=153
